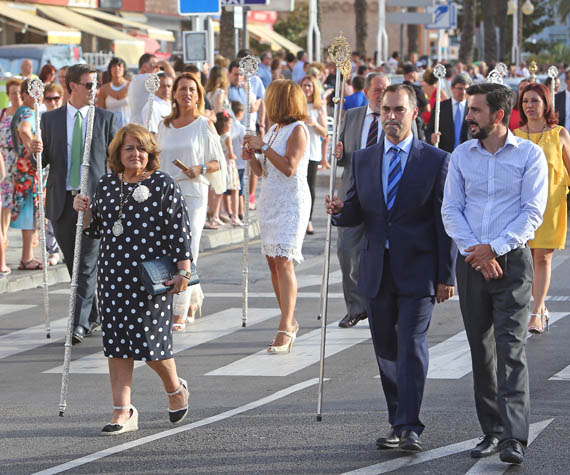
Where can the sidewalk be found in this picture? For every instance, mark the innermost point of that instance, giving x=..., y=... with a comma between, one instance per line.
x=211, y=239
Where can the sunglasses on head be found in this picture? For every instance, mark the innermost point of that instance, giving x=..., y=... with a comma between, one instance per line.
x=52, y=98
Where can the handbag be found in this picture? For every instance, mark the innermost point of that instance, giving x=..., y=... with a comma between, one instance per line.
x=154, y=273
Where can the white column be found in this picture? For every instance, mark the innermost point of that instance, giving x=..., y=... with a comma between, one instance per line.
x=382, y=35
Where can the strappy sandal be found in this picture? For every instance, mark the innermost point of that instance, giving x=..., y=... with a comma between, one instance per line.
x=545, y=317
x=176, y=416
x=131, y=425
x=286, y=348
x=179, y=327
x=37, y=265
x=533, y=328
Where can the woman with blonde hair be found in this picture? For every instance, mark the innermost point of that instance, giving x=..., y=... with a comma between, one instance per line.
x=317, y=125
x=538, y=124
x=217, y=89
x=187, y=138
x=285, y=201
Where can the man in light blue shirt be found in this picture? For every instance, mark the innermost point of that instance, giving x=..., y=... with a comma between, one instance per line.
x=298, y=72
x=264, y=68
x=494, y=199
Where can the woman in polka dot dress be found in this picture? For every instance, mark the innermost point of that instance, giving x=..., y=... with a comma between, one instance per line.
x=138, y=213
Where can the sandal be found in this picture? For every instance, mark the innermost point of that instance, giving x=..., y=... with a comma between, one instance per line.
x=53, y=259
x=6, y=272
x=179, y=327
x=533, y=328
x=177, y=415
x=35, y=265
x=210, y=225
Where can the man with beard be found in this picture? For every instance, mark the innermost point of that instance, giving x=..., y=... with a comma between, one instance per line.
x=406, y=259
x=495, y=195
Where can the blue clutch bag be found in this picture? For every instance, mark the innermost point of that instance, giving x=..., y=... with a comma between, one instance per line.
x=154, y=273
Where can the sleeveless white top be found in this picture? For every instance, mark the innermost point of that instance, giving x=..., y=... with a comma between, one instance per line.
x=119, y=107
x=285, y=202
x=315, y=142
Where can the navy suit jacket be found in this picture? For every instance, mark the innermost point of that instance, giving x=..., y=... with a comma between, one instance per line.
x=421, y=253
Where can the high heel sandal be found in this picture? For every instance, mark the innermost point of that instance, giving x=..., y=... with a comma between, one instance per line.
x=286, y=348
x=533, y=328
x=131, y=425
x=545, y=317
x=176, y=416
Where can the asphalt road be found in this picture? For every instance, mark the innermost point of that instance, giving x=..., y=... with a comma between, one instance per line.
x=254, y=413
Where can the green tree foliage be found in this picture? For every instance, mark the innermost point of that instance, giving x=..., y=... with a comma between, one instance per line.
x=295, y=26
x=542, y=17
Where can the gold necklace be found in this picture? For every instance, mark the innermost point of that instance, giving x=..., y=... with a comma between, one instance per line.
x=541, y=133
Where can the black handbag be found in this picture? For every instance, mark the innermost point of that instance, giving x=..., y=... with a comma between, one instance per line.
x=156, y=272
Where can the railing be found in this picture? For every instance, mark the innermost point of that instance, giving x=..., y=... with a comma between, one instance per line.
x=98, y=59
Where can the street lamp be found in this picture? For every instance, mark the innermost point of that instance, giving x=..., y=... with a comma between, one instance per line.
x=527, y=9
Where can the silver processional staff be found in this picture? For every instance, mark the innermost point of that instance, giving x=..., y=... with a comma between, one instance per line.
x=439, y=72
x=553, y=74
x=151, y=84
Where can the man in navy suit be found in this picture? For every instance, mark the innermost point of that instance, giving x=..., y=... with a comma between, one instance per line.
x=407, y=261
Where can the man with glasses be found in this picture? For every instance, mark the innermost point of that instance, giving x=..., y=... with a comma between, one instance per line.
x=407, y=260
x=63, y=136
x=453, y=130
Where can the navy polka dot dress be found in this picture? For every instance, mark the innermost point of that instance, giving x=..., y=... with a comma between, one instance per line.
x=135, y=324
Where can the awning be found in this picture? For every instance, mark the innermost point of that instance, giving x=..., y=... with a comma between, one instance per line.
x=56, y=33
x=258, y=29
x=126, y=47
x=260, y=33
x=155, y=33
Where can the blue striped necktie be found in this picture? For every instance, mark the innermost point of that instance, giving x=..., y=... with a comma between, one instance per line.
x=373, y=131
x=394, y=177
x=458, y=122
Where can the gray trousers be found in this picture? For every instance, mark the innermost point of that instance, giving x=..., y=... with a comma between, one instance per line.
x=495, y=315
x=348, y=252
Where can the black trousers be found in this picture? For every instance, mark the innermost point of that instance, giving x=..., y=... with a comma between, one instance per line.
x=311, y=179
x=64, y=230
x=495, y=315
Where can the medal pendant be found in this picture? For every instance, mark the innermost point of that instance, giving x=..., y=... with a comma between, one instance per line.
x=117, y=228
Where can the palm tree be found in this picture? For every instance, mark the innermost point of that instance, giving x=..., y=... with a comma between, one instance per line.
x=412, y=35
x=489, y=15
x=467, y=31
x=227, y=33
x=360, y=12
x=563, y=8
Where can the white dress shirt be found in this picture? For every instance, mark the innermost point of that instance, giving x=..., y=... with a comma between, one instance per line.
x=366, y=127
x=497, y=199
x=160, y=110
x=70, y=126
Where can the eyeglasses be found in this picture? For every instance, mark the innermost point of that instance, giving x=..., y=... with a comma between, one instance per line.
x=89, y=85
x=52, y=98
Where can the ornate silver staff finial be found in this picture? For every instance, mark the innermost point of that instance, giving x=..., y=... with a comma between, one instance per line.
x=248, y=66
x=502, y=69
x=495, y=77
x=339, y=51
x=439, y=71
x=36, y=89
x=553, y=72
x=152, y=83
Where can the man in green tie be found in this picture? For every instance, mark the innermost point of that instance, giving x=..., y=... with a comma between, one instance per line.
x=63, y=135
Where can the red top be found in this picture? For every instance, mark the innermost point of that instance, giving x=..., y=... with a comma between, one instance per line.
x=515, y=120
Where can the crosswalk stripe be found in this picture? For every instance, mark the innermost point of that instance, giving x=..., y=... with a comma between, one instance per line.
x=493, y=465
x=201, y=331
x=8, y=308
x=309, y=280
x=271, y=295
x=306, y=352
x=30, y=338
x=563, y=375
x=451, y=359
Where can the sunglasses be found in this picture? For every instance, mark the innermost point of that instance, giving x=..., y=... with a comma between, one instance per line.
x=89, y=85
x=53, y=98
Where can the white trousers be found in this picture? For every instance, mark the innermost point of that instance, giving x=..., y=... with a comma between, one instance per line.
x=197, y=209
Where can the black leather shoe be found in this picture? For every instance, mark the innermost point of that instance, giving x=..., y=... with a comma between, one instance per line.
x=351, y=320
x=391, y=441
x=93, y=327
x=488, y=446
x=77, y=335
x=512, y=451
x=410, y=441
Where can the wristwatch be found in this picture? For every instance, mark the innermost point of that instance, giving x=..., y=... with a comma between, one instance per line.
x=264, y=148
x=184, y=273
x=204, y=169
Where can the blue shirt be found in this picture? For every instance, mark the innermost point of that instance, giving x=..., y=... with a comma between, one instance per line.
x=264, y=72
x=355, y=100
x=495, y=199
x=405, y=146
x=298, y=72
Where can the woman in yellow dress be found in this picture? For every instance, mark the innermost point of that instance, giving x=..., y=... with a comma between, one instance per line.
x=538, y=124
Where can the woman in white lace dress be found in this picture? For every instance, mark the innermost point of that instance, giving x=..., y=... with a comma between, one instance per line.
x=285, y=201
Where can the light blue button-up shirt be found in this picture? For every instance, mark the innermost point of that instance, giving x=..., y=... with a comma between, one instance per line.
x=495, y=199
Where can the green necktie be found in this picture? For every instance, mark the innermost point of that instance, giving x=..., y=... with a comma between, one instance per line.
x=76, y=152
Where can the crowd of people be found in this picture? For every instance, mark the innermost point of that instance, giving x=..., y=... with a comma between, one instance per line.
x=416, y=209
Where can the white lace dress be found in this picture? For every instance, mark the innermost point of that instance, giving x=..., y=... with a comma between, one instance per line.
x=285, y=202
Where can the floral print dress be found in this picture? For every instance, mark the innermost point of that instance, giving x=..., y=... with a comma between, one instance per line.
x=7, y=151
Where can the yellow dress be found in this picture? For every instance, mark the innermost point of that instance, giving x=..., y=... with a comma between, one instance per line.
x=552, y=232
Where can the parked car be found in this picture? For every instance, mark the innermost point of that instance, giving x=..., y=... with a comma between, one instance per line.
x=11, y=56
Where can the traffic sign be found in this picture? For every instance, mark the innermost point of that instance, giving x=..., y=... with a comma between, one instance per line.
x=409, y=18
x=444, y=17
x=203, y=7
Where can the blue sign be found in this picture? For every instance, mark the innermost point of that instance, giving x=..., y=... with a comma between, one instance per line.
x=201, y=7
x=444, y=17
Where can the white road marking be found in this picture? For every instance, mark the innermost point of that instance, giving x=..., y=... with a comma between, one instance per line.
x=309, y=280
x=563, y=375
x=194, y=425
x=451, y=359
x=201, y=331
x=31, y=337
x=271, y=295
x=493, y=465
x=440, y=452
x=8, y=308
x=306, y=351
x=558, y=261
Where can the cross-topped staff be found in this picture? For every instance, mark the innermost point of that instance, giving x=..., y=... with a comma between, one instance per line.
x=439, y=73
x=77, y=252
x=553, y=74
x=151, y=84
x=533, y=68
x=248, y=66
x=339, y=52
x=36, y=91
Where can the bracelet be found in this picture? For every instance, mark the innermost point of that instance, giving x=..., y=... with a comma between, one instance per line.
x=184, y=273
x=204, y=169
